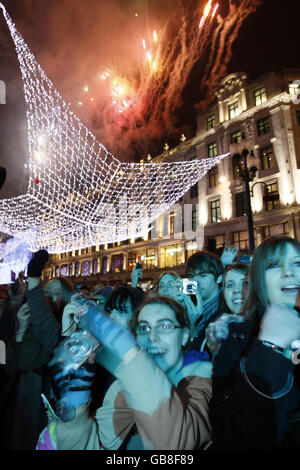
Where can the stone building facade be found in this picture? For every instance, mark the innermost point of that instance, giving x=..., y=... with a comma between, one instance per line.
x=262, y=115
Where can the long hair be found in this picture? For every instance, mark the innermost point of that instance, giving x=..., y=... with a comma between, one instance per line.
x=270, y=252
x=119, y=296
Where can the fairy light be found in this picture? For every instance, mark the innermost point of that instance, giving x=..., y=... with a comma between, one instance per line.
x=79, y=194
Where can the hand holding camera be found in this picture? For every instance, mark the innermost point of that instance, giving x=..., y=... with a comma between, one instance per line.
x=136, y=274
x=194, y=311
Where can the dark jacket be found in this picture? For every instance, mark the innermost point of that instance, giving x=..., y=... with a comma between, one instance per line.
x=199, y=342
x=256, y=395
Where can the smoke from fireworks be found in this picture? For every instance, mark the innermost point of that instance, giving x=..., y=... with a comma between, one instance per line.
x=125, y=67
x=144, y=108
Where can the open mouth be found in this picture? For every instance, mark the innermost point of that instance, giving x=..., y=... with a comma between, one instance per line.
x=237, y=301
x=156, y=353
x=292, y=289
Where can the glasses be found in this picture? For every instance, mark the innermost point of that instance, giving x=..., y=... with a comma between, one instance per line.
x=164, y=328
x=166, y=285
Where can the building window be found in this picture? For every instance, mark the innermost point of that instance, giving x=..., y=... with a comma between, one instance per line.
x=294, y=88
x=240, y=204
x=211, y=122
x=104, y=265
x=131, y=260
x=218, y=241
x=71, y=269
x=263, y=126
x=95, y=266
x=235, y=170
x=267, y=158
x=241, y=239
x=276, y=229
x=117, y=263
x=194, y=220
x=234, y=110
x=77, y=269
x=64, y=270
x=298, y=117
x=260, y=96
x=235, y=137
x=171, y=223
x=57, y=271
x=194, y=191
x=86, y=268
x=273, y=196
x=214, y=172
x=212, y=149
x=150, y=258
x=170, y=256
x=213, y=177
x=215, y=211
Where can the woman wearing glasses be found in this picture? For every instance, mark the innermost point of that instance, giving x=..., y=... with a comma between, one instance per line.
x=160, y=398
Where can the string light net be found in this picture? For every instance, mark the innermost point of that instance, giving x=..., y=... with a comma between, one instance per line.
x=78, y=193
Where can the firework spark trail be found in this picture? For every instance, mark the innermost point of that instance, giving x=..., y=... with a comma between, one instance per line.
x=221, y=44
x=152, y=115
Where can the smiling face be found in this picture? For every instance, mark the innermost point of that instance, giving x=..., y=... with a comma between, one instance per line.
x=166, y=283
x=282, y=278
x=235, y=290
x=164, y=347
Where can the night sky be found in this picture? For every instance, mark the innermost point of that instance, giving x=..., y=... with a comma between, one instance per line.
x=72, y=42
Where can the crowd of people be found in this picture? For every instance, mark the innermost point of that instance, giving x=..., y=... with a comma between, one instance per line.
x=209, y=363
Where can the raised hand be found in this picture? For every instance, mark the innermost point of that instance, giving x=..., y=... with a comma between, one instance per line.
x=136, y=275
x=194, y=311
x=23, y=317
x=70, y=318
x=37, y=263
x=228, y=255
x=108, y=332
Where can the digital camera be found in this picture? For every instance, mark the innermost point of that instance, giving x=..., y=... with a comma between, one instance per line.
x=189, y=287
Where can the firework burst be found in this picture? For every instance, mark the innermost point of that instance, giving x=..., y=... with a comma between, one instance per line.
x=141, y=110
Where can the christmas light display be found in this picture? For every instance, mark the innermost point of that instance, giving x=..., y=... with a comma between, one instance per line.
x=78, y=193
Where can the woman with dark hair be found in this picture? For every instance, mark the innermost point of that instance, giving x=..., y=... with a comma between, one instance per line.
x=122, y=302
x=235, y=287
x=160, y=398
x=255, y=403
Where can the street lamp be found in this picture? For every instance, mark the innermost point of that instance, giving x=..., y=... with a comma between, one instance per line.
x=247, y=171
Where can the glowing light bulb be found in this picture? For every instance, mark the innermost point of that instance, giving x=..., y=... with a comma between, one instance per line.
x=61, y=214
